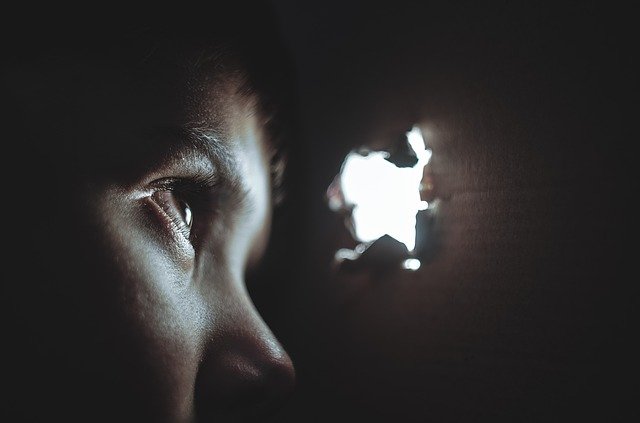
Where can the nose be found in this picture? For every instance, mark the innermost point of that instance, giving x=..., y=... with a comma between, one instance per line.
x=245, y=372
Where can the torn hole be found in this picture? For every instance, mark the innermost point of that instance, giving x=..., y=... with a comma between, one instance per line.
x=382, y=192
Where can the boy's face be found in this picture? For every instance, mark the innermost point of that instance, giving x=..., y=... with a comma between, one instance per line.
x=169, y=209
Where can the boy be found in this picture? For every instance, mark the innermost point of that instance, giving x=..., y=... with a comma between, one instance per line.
x=152, y=147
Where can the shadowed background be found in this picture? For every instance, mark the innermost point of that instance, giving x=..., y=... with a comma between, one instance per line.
x=523, y=315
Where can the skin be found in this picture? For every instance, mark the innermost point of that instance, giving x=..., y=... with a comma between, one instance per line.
x=135, y=315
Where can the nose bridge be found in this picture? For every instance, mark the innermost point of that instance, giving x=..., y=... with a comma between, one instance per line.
x=248, y=337
x=244, y=369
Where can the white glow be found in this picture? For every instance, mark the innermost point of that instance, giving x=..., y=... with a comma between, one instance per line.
x=346, y=254
x=385, y=198
x=411, y=264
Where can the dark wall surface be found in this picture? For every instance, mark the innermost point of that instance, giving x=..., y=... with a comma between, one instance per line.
x=524, y=314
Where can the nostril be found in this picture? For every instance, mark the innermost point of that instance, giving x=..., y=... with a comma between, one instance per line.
x=244, y=383
x=280, y=378
x=271, y=391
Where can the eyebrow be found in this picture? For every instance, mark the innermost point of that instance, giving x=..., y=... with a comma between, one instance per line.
x=207, y=144
x=177, y=142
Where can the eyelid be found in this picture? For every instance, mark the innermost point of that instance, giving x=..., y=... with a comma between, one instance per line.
x=184, y=151
x=195, y=183
x=170, y=208
x=185, y=166
x=195, y=165
x=200, y=192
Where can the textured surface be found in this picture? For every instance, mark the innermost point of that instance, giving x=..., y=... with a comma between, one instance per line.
x=522, y=315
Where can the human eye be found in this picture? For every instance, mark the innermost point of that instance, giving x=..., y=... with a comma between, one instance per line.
x=177, y=211
x=182, y=201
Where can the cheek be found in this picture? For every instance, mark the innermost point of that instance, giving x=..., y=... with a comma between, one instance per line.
x=158, y=316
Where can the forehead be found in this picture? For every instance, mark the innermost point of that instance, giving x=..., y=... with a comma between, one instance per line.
x=112, y=111
x=195, y=88
x=167, y=68
x=114, y=79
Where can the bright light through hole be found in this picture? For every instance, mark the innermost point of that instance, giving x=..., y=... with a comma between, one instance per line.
x=383, y=197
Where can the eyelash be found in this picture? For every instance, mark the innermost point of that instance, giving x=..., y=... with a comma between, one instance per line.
x=195, y=193
x=169, y=206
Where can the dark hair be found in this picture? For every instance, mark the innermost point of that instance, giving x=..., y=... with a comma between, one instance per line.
x=242, y=35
